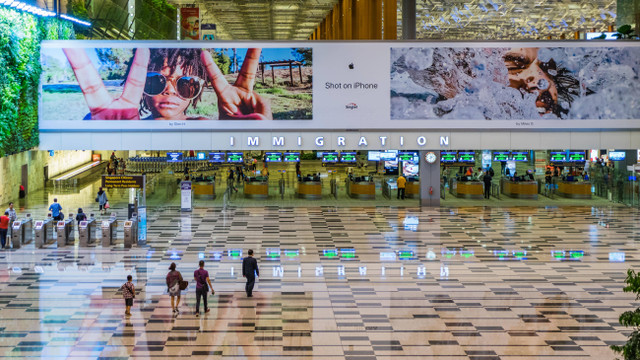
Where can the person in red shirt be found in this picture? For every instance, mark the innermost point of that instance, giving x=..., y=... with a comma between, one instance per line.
x=4, y=227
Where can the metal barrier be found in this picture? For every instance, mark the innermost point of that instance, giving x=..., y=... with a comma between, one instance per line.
x=21, y=231
x=495, y=191
x=108, y=231
x=87, y=231
x=281, y=187
x=131, y=232
x=65, y=232
x=333, y=184
x=43, y=232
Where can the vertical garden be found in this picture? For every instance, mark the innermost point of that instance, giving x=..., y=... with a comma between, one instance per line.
x=20, y=38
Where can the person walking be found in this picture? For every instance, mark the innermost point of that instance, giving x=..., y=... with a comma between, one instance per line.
x=402, y=182
x=80, y=216
x=4, y=227
x=12, y=217
x=487, y=185
x=201, y=277
x=250, y=271
x=174, y=278
x=101, y=199
x=128, y=293
x=55, y=209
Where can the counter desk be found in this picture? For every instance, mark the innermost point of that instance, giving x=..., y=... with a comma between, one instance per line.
x=519, y=189
x=204, y=190
x=361, y=190
x=412, y=189
x=574, y=189
x=310, y=190
x=256, y=188
x=467, y=189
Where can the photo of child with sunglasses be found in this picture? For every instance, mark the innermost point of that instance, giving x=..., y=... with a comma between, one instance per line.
x=162, y=83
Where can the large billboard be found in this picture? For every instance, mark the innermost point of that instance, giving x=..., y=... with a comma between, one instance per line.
x=327, y=86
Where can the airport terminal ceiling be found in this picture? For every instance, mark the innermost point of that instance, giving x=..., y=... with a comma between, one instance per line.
x=262, y=20
x=435, y=19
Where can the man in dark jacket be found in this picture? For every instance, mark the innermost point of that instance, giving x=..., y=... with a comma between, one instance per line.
x=487, y=185
x=250, y=271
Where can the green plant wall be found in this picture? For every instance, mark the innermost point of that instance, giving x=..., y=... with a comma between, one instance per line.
x=20, y=38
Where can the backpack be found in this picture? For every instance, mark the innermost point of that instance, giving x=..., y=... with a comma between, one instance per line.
x=491, y=172
x=183, y=285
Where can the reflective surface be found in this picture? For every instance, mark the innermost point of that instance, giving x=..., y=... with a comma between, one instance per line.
x=352, y=283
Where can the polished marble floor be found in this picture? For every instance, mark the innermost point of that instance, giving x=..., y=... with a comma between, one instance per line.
x=336, y=283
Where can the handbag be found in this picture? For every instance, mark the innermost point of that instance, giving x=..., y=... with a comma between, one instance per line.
x=183, y=285
x=97, y=199
x=106, y=205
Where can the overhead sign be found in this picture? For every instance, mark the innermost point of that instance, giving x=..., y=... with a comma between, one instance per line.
x=122, y=182
x=364, y=86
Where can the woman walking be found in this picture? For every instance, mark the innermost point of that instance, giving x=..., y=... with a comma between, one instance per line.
x=174, y=278
x=102, y=200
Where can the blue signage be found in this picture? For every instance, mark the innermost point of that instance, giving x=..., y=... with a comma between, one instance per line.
x=174, y=157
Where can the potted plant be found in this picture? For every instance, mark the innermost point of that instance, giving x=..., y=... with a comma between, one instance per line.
x=631, y=349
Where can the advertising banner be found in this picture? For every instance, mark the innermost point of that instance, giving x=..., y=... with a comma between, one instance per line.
x=185, y=196
x=190, y=23
x=310, y=86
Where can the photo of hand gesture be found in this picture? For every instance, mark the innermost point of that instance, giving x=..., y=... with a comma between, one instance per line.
x=161, y=84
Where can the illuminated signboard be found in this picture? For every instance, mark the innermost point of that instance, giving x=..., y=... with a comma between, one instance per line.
x=501, y=156
x=291, y=157
x=217, y=157
x=329, y=157
x=174, y=157
x=520, y=155
x=234, y=254
x=406, y=255
x=375, y=155
x=448, y=156
x=273, y=157
x=330, y=253
x=272, y=253
x=575, y=255
x=617, y=155
x=448, y=254
x=557, y=156
x=408, y=156
x=348, y=254
x=234, y=157
x=466, y=253
x=467, y=156
x=348, y=157
x=201, y=156
x=577, y=156
x=291, y=254
x=389, y=156
x=616, y=257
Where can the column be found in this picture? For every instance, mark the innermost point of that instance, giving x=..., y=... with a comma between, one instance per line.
x=408, y=19
x=429, y=179
x=389, y=18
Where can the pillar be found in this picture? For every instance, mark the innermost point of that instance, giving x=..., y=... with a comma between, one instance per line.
x=408, y=19
x=347, y=20
x=375, y=20
x=389, y=18
x=429, y=179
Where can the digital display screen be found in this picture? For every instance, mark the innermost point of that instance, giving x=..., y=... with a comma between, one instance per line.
x=348, y=253
x=617, y=155
x=273, y=157
x=234, y=254
x=373, y=155
x=348, y=157
x=448, y=156
x=272, y=253
x=520, y=156
x=291, y=157
x=557, y=156
x=406, y=254
x=389, y=156
x=330, y=253
x=577, y=156
x=234, y=157
x=217, y=157
x=201, y=156
x=174, y=157
x=408, y=156
x=328, y=157
x=467, y=156
x=501, y=156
